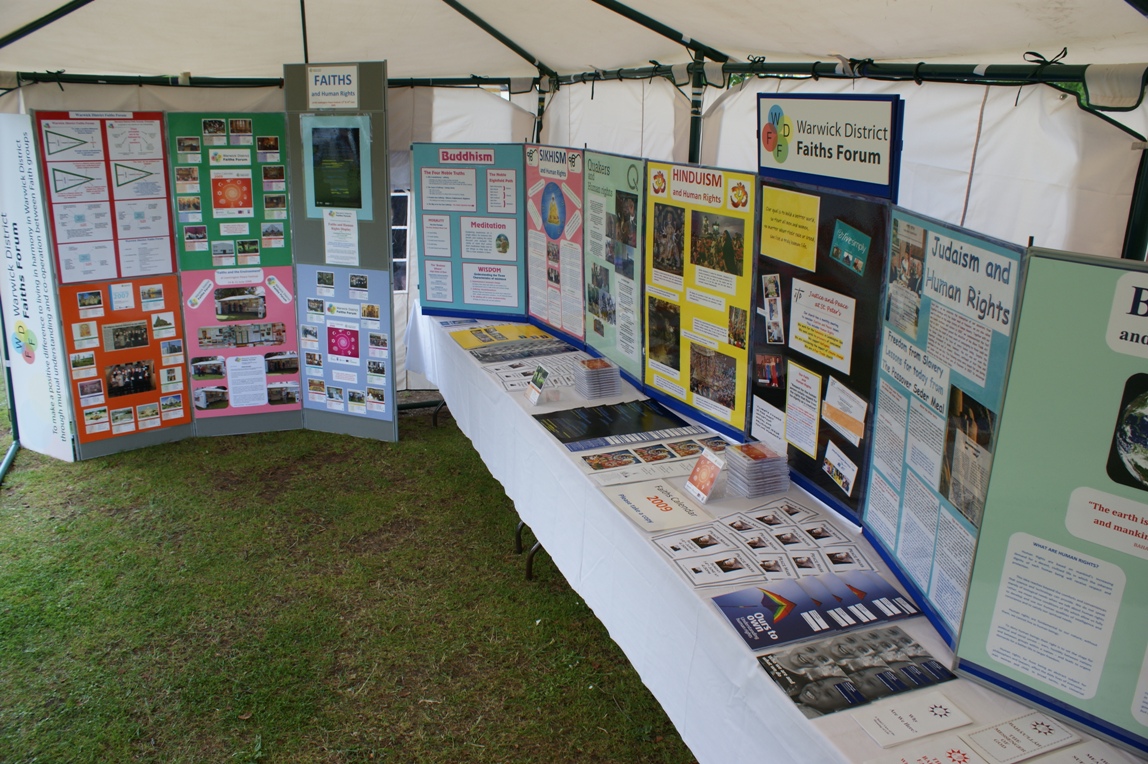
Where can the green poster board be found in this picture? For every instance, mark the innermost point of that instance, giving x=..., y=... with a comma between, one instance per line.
x=1057, y=605
x=230, y=182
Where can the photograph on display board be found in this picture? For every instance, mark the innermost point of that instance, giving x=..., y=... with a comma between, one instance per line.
x=244, y=352
x=815, y=326
x=615, y=207
x=699, y=290
x=227, y=184
x=108, y=196
x=125, y=356
x=554, y=238
x=949, y=314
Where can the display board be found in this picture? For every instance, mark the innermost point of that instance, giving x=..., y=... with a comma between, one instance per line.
x=816, y=324
x=342, y=229
x=346, y=337
x=850, y=141
x=38, y=371
x=106, y=174
x=554, y=219
x=126, y=356
x=469, y=212
x=234, y=245
x=614, y=265
x=951, y=303
x=1056, y=604
x=699, y=290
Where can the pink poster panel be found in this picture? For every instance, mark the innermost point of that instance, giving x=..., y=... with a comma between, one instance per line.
x=243, y=355
x=554, y=238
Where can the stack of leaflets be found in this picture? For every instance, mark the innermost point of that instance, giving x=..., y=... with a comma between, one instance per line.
x=755, y=470
x=596, y=378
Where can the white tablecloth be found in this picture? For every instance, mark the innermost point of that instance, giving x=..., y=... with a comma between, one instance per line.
x=709, y=683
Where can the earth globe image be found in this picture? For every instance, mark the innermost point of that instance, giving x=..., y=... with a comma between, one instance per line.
x=1132, y=438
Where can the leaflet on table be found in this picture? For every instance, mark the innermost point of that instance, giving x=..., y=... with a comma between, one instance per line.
x=816, y=320
x=109, y=204
x=554, y=237
x=911, y=717
x=516, y=375
x=1056, y=599
x=615, y=200
x=655, y=505
x=951, y=299
x=503, y=343
x=660, y=459
x=126, y=356
x=855, y=668
x=699, y=289
x=243, y=349
x=469, y=202
x=615, y=424
x=1010, y=742
x=345, y=335
x=230, y=178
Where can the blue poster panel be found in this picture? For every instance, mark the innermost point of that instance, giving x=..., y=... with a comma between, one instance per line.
x=345, y=339
x=950, y=310
x=469, y=209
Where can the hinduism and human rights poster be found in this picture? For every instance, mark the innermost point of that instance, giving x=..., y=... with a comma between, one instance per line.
x=699, y=289
x=951, y=301
x=345, y=338
x=554, y=222
x=816, y=324
x=243, y=354
x=1057, y=600
x=110, y=212
x=126, y=355
x=615, y=206
x=230, y=182
x=469, y=212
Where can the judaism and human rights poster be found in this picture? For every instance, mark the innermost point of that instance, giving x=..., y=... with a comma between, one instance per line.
x=230, y=186
x=951, y=303
x=109, y=203
x=126, y=355
x=816, y=326
x=469, y=212
x=243, y=354
x=615, y=196
x=1056, y=604
x=345, y=335
x=699, y=289
x=554, y=223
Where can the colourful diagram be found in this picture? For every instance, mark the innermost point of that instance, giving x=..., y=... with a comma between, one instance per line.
x=776, y=132
x=231, y=193
x=25, y=342
x=553, y=210
x=343, y=342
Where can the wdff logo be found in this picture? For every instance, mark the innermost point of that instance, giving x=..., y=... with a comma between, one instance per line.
x=775, y=133
x=25, y=342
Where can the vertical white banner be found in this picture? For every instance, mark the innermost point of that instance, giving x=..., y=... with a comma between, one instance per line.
x=40, y=379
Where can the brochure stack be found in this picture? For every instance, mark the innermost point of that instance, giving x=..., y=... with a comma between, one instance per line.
x=597, y=378
x=755, y=470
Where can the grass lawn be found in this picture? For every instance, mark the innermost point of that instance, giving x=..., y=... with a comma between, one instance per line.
x=297, y=597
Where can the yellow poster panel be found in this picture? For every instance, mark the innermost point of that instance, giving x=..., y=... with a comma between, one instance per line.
x=789, y=226
x=699, y=287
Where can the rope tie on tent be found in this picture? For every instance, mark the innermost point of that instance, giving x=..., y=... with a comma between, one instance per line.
x=1042, y=63
x=58, y=74
x=755, y=60
x=813, y=71
x=917, y=73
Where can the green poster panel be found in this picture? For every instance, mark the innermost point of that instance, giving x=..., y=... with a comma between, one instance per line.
x=230, y=178
x=1056, y=607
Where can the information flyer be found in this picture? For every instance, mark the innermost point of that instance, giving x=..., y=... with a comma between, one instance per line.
x=230, y=180
x=345, y=337
x=615, y=201
x=1056, y=603
x=126, y=356
x=243, y=356
x=699, y=288
x=468, y=209
x=554, y=237
x=950, y=310
x=816, y=323
x=110, y=211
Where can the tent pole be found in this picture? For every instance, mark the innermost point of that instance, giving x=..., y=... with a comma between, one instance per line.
x=303, y=23
x=543, y=87
x=42, y=22
x=481, y=24
x=1136, y=234
x=666, y=31
x=698, y=89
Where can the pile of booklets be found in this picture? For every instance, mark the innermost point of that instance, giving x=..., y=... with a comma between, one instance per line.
x=596, y=378
x=754, y=470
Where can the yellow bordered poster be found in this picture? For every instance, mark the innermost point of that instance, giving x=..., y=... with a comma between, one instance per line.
x=699, y=276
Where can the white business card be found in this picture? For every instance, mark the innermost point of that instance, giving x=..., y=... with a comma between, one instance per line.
x=946, y=750
x=909, y=717
x=1020, y=738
